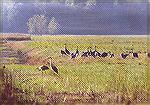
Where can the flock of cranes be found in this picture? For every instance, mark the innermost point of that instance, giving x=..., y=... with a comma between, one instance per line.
x=95, y=53
x=89, y=53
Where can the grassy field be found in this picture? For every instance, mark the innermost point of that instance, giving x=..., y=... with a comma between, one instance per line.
x=82, y=74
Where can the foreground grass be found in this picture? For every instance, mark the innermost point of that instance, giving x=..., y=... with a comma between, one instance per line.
x=97, y=76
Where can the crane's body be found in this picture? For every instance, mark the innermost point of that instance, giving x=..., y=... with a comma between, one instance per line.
x=50, y=65
x=53, y=67
x=43, y=68
x=66, y=50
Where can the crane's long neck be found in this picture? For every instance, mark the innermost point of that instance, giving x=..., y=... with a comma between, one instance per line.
x=50, y=62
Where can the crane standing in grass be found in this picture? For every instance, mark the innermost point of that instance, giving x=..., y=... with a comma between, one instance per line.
x=74, y=55
x=53, y=67
x=77, y=51
x=66, y=50
x=85, y=54
x=63, y=53
x=94, y=53
x=45, y=68
x=50, y=64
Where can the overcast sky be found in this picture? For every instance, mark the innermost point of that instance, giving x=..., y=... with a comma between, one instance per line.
x=84, y=18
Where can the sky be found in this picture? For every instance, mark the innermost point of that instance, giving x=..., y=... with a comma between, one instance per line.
x=80, y=17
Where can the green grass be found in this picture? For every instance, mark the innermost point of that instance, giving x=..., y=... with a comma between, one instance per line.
x=85, y=74
x=85, y=77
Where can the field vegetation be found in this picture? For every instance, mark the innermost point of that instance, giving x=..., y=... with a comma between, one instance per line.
x=106, y=78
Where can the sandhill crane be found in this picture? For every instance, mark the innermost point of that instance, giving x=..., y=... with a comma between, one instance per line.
x=43, y=68
x=90, y=52
x=85, y=54
x=66, y=50
x=111, y=54
x=77, y=51
x=135, y=55
x=73, y=55
x=63, y=52
x=98, y=54
x=123, y=55
x=53, y=67
x=94, y=53
x=50, y=64
x=104, y=54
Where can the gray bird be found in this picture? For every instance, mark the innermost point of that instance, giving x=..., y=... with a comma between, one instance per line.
x=53, y=67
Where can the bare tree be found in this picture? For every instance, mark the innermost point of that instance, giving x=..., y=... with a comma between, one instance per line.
x=53, y=26
x=37, y=24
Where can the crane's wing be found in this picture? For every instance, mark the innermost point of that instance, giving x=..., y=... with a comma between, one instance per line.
x=43, y=67
x=67, y=51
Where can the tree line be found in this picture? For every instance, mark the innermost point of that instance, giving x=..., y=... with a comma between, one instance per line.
x=39, y=24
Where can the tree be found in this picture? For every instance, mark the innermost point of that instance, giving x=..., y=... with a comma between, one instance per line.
x=90, y=3
x=70, y=3
x=37, y=24
x=53, y=26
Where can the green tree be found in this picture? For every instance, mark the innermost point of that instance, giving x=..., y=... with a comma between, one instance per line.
x=37, y=24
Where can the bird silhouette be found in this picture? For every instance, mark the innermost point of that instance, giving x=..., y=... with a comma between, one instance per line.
x=94, y=53
x=66, y=50
x=43, y=68
x=63, y=52
x=73, y=55
x=124, y=55
x=77, y=51
x=50, y=65
x=53, y=67
x=85, y=54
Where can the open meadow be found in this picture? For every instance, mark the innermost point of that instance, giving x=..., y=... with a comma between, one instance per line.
x=81, y=79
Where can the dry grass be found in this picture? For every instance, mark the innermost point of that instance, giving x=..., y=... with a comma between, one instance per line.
x=14, y=37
